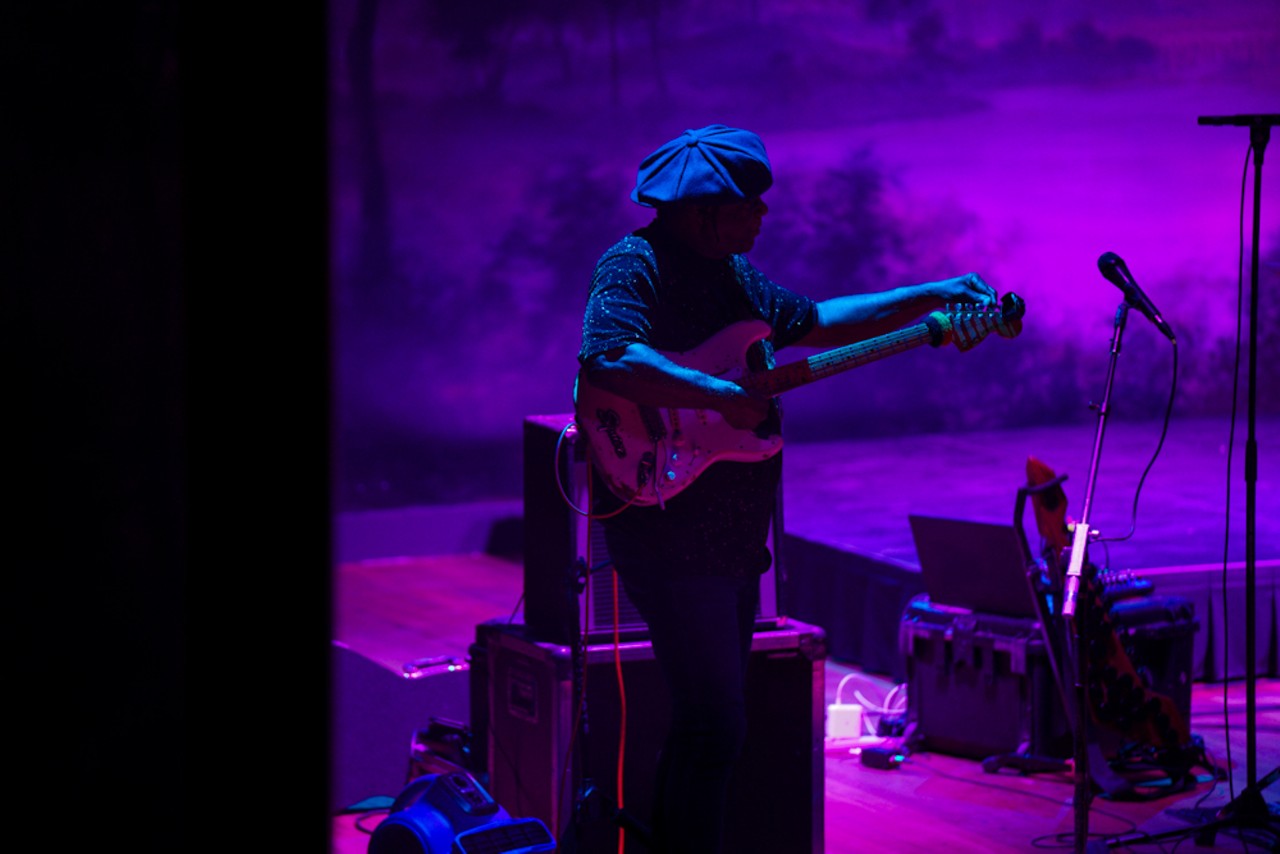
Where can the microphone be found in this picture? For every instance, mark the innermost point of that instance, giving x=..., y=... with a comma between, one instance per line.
x=1115, y=271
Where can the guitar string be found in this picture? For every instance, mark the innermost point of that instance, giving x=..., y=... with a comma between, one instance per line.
x=835, y=361
x=855, y=355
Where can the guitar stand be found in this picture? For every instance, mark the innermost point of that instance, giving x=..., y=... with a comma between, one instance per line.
x=1029, y=763
x=1045, y=588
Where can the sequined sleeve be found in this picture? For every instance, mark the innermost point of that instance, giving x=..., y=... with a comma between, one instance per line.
x=623, y=295
x=791, y=315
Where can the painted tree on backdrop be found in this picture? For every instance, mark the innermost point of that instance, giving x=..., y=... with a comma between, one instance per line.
x=485, y=36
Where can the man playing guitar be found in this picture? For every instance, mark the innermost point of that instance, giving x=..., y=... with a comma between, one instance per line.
x=690, y=558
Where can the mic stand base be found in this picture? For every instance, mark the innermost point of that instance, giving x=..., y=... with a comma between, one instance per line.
x=1247, y=814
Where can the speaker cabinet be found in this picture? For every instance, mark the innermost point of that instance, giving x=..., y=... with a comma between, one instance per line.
x=541, y=755
x=561, y=545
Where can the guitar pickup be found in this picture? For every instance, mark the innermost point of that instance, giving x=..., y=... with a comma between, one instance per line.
x=608, y=422
x=653, y=423
x=644, y=470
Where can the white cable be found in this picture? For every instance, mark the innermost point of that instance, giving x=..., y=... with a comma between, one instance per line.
x=895, y=701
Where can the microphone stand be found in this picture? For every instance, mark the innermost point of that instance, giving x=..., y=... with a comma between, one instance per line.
x=1259, y=135
x=1079, y=623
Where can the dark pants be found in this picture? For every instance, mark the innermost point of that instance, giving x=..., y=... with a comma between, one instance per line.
x=701, y=630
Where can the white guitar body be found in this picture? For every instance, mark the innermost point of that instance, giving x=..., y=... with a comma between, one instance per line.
x=647, y=454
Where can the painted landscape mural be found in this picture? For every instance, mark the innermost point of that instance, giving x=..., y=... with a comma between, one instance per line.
x=482, y=157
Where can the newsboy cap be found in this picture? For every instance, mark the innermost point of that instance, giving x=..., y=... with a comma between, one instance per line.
x=713, y=164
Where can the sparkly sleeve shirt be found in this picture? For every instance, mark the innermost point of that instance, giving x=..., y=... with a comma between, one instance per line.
x=648, y=289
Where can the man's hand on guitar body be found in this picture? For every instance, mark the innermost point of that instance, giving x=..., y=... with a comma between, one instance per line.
x=744, y=410
x=650, y=378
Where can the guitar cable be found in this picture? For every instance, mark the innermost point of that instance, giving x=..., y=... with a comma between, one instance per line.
x=570, y=429
x=1231, y=444
x=617, y=669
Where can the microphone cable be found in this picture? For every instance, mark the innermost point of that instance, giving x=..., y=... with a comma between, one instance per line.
x=1164, y=432
x=1231, y=444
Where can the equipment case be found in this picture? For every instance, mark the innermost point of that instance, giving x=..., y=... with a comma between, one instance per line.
x=523, y=712
x=981, y=685
x=1158, y=634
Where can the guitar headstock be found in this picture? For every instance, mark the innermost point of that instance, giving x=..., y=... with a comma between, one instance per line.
x=966, y=324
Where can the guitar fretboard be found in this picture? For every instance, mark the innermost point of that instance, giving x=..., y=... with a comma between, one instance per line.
x=831, y=362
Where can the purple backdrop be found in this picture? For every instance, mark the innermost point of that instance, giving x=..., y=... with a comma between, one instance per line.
x=482, y=156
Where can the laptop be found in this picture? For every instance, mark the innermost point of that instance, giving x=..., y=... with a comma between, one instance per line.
x=979, y=566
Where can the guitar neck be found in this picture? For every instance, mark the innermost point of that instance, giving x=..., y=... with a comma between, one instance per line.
x=832, y=362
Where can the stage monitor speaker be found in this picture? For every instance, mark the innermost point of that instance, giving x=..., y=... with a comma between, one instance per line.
x=560, y=544
x=539, y=765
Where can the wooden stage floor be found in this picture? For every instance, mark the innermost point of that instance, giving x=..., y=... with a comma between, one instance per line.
x=398, y=610
x=423, y=600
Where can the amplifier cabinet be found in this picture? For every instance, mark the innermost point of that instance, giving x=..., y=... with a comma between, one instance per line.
x=561, y=544
x=539, y=759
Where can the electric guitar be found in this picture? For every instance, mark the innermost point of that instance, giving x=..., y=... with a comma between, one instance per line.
x=1119, y=700
x=646, y=455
